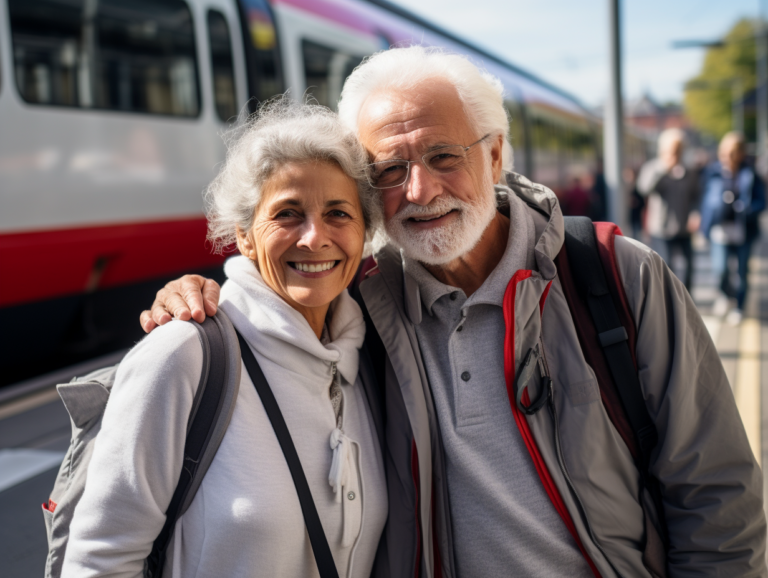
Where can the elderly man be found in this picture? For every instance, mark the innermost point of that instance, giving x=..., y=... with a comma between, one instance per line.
x=672, y=190
x=467, y=281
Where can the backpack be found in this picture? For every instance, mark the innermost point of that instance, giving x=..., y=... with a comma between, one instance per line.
x=86, y=399
x=589, y=276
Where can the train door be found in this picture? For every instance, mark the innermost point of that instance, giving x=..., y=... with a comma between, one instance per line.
x=320, y=52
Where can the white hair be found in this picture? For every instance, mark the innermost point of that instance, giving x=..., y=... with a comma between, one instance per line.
x=282, y=132
x=670, y=136
x=481, y=93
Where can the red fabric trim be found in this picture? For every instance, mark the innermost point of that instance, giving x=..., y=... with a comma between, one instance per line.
x=415, y=473
x=50, y=506
x=606, y=237
x=522, y=423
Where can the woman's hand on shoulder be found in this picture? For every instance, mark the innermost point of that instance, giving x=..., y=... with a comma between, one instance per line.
x=189, y=297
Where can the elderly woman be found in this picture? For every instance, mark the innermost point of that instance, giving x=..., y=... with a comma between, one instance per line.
x=292, y=196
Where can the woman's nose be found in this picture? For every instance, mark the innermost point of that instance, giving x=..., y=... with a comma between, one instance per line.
x=314, y=235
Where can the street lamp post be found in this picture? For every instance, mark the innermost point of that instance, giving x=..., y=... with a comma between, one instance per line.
x=762, y=81
x=613, y=123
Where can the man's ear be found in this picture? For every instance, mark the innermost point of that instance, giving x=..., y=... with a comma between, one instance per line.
x=245, y=244
x=497, y=160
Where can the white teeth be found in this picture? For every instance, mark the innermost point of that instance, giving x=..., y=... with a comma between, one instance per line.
x=315, y=268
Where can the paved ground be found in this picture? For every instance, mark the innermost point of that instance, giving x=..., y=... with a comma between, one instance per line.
x=34, y=431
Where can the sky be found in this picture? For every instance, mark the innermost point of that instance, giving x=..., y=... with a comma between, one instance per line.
x=566, y=41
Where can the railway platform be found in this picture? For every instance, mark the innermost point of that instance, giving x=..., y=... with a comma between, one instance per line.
x=35, y=428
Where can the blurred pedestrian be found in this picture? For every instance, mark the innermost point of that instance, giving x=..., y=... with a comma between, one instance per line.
x=577, y=200
x=636, y=202
x=734, y=196
x=672, y=193
x=599, y=210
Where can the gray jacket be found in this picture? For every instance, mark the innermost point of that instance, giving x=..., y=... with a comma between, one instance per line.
x=711, y=483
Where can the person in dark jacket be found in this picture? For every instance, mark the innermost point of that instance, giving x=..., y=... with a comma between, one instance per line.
x=734, y=196
x=672, y=193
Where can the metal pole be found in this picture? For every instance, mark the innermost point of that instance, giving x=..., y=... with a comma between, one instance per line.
x=737, y=105
x=613, y=127
x=762, y=81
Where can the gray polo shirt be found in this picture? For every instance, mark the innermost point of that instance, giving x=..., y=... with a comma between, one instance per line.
x=502, y=519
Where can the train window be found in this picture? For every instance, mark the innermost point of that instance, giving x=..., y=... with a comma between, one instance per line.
x=262, y=53
x=222, y=68
x=127, y=55
x=325, y=70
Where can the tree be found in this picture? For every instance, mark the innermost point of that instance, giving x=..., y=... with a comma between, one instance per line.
x=709, y=97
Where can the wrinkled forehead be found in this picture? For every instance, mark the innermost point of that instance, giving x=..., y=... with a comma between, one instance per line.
x=413, y=120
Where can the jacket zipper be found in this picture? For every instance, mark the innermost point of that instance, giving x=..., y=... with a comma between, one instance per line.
x=553, y=412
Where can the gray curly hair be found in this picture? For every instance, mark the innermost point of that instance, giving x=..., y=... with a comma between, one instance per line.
x=283, y=131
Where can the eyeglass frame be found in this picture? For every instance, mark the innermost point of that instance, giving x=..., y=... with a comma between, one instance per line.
x=419, y=160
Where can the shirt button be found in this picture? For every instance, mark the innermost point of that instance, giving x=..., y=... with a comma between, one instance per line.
x=465, y=376
x=351, y=496
x=454, y=295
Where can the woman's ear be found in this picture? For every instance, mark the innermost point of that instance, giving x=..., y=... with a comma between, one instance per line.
x=245, y=244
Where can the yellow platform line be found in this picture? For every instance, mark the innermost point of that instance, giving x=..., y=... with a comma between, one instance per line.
x=747, y=386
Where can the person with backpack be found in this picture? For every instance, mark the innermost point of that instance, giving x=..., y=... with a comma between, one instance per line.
x=734, y=197
x=292, y=196
x=554, y=403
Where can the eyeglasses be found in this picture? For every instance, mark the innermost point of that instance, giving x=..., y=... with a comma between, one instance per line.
x=440, y=161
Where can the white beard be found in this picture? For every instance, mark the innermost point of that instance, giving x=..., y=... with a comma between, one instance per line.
x=443, y=244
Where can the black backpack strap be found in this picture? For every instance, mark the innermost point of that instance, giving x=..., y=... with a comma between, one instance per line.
x=210, y=416
x=320, y=548
x=589, y=276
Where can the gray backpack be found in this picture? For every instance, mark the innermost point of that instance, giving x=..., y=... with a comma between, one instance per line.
x=86, y=398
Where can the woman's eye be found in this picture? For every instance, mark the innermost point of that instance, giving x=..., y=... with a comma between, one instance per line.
x=286, y=214
x=338, y=214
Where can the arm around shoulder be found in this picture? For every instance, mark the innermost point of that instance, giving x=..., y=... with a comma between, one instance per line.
x=137, y=456
x=711, y=483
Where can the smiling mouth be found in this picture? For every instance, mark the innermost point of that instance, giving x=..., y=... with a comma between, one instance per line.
x=427, y=219
x=316, y=267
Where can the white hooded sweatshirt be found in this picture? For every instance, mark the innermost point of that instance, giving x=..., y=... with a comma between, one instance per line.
x=245, y=520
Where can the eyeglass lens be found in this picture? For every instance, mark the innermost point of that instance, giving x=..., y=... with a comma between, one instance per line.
x=387, y=174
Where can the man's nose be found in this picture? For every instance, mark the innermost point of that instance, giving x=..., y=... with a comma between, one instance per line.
x=314, y=235
x=422, y=186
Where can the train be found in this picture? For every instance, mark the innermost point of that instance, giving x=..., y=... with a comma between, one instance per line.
x=111, y=113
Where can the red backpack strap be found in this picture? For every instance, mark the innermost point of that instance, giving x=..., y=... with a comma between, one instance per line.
x=607, y=335
x=606, y=235
x=588, y=340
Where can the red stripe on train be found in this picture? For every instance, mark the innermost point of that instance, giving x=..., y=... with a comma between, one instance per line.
x=53, y=263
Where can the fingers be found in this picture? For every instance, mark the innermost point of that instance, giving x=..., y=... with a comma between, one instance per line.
x=190, y=297
x=191, y=293
x=211, y=292
x=170, y=305
x=146, y=321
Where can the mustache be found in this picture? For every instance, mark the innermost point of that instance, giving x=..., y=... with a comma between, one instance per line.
x=439, y=205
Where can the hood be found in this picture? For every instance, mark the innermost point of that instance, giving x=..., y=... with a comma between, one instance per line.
x=281, y=334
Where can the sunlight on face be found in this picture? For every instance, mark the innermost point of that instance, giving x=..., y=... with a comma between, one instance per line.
x=433, y=218
x=308, y=233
